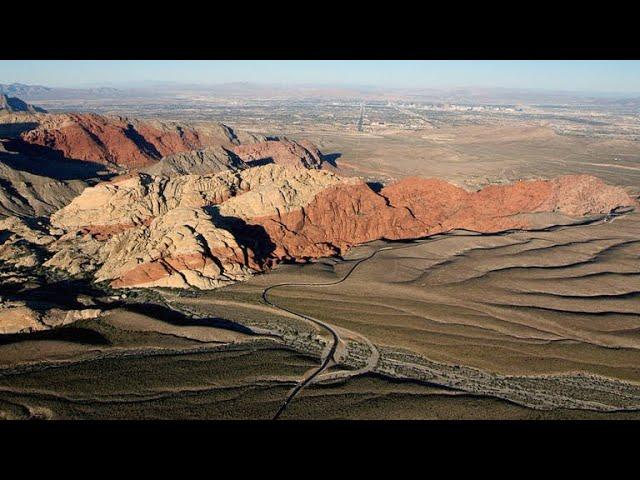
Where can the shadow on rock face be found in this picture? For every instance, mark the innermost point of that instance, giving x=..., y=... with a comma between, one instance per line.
x=45, y=161
x=331, y=158
x=42, y=291
x=146, y=147
x=260, y=162
x=375, y=186
x=11, y=130
x=250, y=237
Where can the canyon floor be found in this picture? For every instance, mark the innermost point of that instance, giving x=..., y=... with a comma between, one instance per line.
x=542, y=323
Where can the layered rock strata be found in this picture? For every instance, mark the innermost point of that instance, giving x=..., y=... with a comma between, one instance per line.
x=205, y=231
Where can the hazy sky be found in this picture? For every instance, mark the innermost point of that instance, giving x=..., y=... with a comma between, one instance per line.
x=605, y=76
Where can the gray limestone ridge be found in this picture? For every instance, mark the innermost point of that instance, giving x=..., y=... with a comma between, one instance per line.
x=209, y=160
x=15, y=105
x=26, y=194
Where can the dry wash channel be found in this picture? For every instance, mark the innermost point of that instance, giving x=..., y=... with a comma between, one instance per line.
x=446, y=310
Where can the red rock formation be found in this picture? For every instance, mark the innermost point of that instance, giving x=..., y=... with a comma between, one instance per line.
x=137, y=144
x=165, y=267
x=117, y=140
x=105, y=232
x=158, y=231
x=161, y=268
x=346, y=215
x=283, y=152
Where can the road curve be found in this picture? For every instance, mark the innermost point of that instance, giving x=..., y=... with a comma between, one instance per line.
x=329, y=355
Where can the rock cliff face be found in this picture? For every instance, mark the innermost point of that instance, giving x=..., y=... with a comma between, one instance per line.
x=206, y=231
x=282, y=152
x=27, y=194
x=184, y=231
x=343, y=216
x=181, y=248
x=120, y=141
x=137, y=200
x=209, y=160
x=161, y=148
x=15, y=105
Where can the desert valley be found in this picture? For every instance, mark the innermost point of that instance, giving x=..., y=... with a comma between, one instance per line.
x=313, y=254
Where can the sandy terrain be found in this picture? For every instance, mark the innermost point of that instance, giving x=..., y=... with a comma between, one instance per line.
x=476, y=155
x=524, y=325
x=536, y=309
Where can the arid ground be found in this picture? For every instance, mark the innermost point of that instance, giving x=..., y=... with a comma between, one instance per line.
x=542, y=323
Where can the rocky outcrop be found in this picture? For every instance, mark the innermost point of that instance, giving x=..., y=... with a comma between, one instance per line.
x=18, y=317
x=343, y=216
x=207, y=231
x=159, y=148
x=214, y=159
x=182, y=248
x=139, y=199
x=26, y=194
x=119, y=141
x=23, y=245
x=182, y=231
x=15, y=105
x=281, y=152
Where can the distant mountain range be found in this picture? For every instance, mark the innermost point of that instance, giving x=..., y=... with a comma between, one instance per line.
x=40, y=92
x=22, y=90
x=14, y=105
x=282, y=92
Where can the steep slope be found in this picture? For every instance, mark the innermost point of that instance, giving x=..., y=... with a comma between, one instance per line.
x=148, y=230
x=205, y=231
x=119, y=141
x=138, y=200
x=181, y=248
x=341, y=217
x=282, y=152
x=197, y=162
x=15, y=105
x=26, y=194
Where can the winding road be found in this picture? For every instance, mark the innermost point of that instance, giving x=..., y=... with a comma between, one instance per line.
x=329, y=353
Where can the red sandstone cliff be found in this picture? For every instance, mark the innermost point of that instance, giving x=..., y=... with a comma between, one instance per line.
x=281, y=152
x=121, y=141
x=207, y=230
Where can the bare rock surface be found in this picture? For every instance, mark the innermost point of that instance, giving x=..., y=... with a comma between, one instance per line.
x=115, y=206
x=206, y=231
x=181, y=248
x=119, y=141
x=209, y=160
x=343, y=216
x=178, y=232
x=26, y=194
x=282, y=152
x=18, y=317
x=22, y=245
